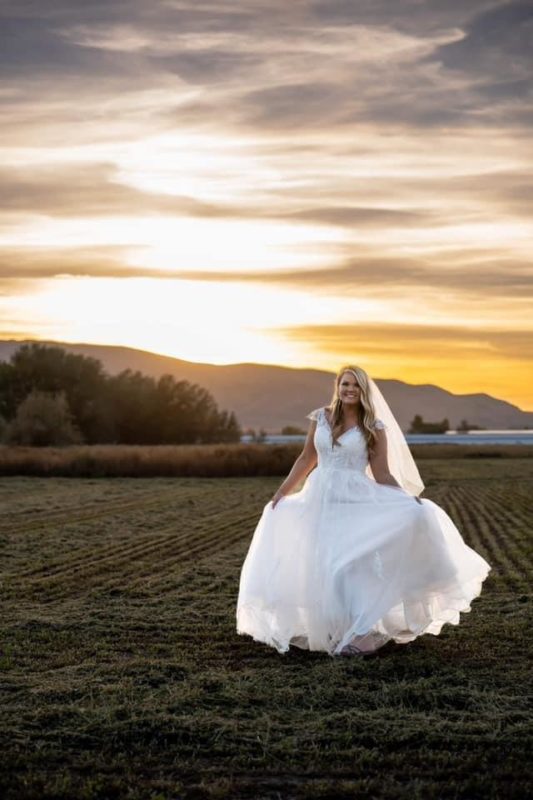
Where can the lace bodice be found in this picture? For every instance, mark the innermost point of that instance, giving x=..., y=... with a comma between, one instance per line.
x=350, y=453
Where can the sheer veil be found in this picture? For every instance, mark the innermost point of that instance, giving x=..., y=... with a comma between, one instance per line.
x=401, y=462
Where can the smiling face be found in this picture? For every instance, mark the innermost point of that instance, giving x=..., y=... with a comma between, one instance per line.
x=348, y=389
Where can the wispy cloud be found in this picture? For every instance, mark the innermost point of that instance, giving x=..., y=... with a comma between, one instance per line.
x=393, y=339
x=356, y=151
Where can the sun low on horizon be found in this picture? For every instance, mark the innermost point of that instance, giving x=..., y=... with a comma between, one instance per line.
x=306, y=184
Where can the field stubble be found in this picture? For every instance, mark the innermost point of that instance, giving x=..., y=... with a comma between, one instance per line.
x=123, y=677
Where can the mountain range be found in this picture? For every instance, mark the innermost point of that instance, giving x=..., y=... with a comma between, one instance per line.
x=270, y=397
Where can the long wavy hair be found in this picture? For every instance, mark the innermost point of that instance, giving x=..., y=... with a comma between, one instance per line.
x=366, y=412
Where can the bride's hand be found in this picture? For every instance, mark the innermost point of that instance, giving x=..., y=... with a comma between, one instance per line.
x=277, y=497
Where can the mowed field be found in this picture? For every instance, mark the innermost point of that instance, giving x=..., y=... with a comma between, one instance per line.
x=122, y=675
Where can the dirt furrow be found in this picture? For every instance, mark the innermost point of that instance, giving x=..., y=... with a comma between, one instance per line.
x=87, y=557
x=92, y=511
x=475, y=515
x=114, y=557
x=191, y=544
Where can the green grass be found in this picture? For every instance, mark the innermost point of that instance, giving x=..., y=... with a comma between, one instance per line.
x=122, y=675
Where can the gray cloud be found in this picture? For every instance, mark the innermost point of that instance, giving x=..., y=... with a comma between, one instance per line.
x=209, y=66
x=497, y=42
x=35, y=48
x=34, y=263
x=89, y=189
x=94, y=189
x=283, y=66
x=503, y=192
x=502, y=277
x=409, y=16
x=295, y=105
x=354, y=216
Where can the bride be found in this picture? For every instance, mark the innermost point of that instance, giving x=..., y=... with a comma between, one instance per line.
x=355, y=558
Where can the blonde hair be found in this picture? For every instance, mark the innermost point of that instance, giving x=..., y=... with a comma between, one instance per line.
x=366, y=412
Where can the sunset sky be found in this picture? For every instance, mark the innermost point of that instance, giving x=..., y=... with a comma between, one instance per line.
x=303, y=183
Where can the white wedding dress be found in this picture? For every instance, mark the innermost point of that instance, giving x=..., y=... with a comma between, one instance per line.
x=346, y=560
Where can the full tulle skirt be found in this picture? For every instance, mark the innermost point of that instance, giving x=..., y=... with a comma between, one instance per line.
x=346, y=560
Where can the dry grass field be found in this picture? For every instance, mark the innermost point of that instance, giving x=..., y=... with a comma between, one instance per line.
x=200, y=461
x=122, y=675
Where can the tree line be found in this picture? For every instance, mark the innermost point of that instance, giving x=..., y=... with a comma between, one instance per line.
x=418, y=425
x=49, y=396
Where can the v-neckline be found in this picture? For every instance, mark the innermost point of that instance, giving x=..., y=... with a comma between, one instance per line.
x=352, y=428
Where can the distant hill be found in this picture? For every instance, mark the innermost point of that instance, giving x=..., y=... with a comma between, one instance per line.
x=269, y=397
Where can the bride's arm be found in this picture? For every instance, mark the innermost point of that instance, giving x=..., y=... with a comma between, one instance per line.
x=379, y=463
x=305, y=462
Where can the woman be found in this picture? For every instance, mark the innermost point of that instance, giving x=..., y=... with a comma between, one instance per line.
x=355, y=558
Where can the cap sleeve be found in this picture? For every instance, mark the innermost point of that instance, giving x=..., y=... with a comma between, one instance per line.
x=379, y=425
x=315, y=414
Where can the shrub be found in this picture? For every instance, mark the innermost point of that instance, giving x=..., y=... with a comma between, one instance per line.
x=43, y=419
